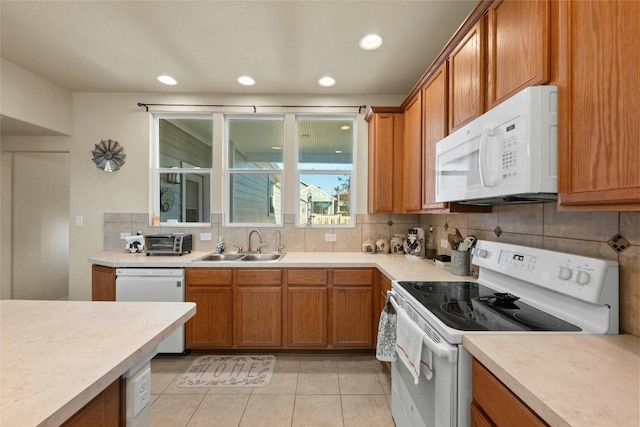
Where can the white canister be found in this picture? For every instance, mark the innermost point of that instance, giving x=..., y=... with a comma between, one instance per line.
x=396, y=245
x=368, y=247
x=382, y=246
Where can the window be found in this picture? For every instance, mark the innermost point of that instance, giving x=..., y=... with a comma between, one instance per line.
x=254, y=165
x=182, y=169
x=325, y=153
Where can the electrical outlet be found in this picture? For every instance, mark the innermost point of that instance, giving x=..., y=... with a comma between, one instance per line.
x=329, y=237
x=141, y=391
x=444, y=243
x=124, y=235
x=205, y=236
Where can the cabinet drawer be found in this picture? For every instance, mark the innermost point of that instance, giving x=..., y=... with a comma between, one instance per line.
x=502, y=406
x=257, y=277
x=353, y=277
x=208, y=276
x=307, y=277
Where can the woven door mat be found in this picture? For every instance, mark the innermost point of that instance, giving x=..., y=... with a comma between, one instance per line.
x=229, y=371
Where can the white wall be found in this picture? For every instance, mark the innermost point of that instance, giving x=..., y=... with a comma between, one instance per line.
x=32, y=100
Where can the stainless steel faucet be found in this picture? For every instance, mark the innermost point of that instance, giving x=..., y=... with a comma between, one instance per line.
x=259, y=235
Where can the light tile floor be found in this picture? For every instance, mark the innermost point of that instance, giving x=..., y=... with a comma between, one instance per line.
x=305, y=390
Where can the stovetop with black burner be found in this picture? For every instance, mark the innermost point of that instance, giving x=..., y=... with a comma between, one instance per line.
x=469, y=306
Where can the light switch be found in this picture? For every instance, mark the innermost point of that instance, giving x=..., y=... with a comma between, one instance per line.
x=79, y=221
x=205, y=236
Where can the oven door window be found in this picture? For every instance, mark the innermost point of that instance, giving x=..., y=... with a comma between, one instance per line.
x=430, y=402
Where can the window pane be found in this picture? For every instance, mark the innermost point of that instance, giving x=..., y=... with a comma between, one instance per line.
x=185, y=142
x=255, y=198
x=325, y=143
x=330, y=201
x=185, y=197
x=255, y=143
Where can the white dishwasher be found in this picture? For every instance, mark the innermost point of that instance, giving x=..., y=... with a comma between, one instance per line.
x=154, y=285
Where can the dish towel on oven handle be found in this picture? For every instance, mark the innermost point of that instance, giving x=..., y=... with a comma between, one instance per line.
x=409, y=347
x=386, y=346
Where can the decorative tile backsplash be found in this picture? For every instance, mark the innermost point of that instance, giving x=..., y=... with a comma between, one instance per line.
x=538, y=225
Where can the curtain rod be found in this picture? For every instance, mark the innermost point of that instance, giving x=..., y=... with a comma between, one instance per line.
x=359, y=107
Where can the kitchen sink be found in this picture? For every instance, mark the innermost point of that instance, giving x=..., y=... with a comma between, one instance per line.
x=261, y=257
x=241, y=257
x=220, y=257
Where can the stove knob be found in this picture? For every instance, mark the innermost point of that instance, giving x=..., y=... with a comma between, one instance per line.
x=564, y=273
x=482, y=253
x=582, y=277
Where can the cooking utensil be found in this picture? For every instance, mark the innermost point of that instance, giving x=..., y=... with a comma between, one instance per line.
x=467, y=243
x=459, y=234
x=454, y=241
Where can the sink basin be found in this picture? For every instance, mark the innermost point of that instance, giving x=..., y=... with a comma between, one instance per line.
x=261, y=257
x=221, y=257
x=240, y=257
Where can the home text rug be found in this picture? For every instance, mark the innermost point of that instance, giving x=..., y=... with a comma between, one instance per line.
x=229, y=371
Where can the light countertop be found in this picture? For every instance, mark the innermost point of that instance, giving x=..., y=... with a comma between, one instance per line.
x=58, y=355
x=567, y=379
x=398, y=267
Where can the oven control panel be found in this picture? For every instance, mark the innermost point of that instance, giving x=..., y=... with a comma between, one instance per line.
x=518, y=260
x=589, y=279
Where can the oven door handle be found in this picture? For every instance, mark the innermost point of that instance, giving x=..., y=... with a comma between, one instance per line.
x=439, y=349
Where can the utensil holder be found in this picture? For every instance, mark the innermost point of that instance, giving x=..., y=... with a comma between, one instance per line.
x=461, y=263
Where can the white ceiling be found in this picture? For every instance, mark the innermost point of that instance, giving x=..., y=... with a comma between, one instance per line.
x=121, y=46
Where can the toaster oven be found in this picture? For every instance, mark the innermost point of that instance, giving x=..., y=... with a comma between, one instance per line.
x=168, y=244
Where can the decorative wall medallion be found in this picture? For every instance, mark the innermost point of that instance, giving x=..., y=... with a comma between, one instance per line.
x=108, y=155
x=166, y=199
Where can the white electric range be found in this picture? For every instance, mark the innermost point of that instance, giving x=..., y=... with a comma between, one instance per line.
x=519, y=289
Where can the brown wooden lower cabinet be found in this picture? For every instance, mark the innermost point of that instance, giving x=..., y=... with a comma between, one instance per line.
x=258, y=307
x=352, y=308
x=211, y=290
x=495, y=405
x=307, y=308
x=105, y=410
x=312, y=308
x=385, y=285
x=103, y=283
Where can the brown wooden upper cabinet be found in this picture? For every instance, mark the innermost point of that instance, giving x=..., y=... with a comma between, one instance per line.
x=412, y=158
x=434, y=122
x=385, y=160
x=599, y=111
x=518, y=45
x=467, y=77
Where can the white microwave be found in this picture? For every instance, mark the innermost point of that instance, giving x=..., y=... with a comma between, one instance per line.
x=507, y=155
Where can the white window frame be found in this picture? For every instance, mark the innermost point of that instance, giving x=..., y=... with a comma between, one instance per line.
x=156, y=171
x=352, y=173
x=228, y=171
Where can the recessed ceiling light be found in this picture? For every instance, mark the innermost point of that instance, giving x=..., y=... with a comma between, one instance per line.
x=345, y=127
x=275, y=147
x=371, y=42
x=167, y=80
x=326, y=81
x=338, y=151
x=246, y=81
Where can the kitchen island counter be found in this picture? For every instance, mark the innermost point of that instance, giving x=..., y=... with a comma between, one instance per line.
x=58, y=355
x=567, y=379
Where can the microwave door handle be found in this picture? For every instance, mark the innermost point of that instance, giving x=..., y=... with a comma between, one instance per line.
x=483, y=166
x=439, y=349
